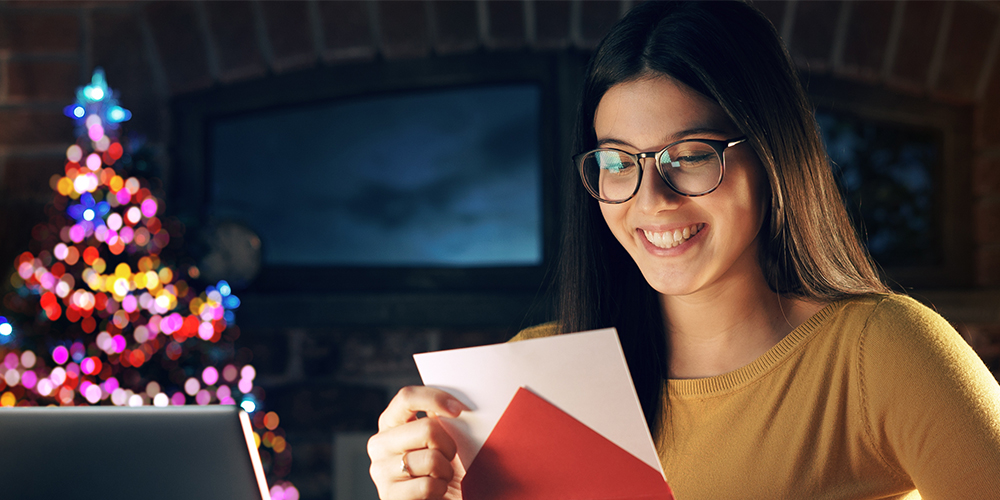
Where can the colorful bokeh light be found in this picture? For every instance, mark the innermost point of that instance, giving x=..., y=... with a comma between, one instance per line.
x=105, y=312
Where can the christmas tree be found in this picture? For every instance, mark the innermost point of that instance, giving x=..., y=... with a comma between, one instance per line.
x=99, y=311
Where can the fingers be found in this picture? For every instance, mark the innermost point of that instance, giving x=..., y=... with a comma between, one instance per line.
x=409, y=400
x=429, y=475
x=416, y=435
x=421, y=487
x=420, y=463
x=423, y=443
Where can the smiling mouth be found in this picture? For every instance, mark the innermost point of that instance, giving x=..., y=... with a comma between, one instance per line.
x=670, y=239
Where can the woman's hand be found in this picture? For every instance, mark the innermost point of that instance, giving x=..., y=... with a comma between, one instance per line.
x=414, y=458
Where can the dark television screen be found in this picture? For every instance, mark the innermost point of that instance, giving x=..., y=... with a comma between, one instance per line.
x=435, y=178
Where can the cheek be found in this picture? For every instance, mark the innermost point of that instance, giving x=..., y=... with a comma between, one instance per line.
x=614, y=215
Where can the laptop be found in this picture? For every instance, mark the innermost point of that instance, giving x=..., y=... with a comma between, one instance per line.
x=112, y=453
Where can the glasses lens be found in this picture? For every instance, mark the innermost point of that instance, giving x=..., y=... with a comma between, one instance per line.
x=610, y=175
x=692, y=167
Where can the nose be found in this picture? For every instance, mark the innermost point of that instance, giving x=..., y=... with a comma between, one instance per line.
x=654, y=194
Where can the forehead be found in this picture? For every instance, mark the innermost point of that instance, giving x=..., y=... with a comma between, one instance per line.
x=654, y=111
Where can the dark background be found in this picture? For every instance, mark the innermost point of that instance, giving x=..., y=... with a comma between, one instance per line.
x=330, y=361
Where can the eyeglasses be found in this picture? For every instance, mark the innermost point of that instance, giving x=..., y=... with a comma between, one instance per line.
x=692, y=167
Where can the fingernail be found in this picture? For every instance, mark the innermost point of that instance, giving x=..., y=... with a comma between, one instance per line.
x=455, y=407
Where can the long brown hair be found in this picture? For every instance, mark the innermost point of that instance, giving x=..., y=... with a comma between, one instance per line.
x=730, y=53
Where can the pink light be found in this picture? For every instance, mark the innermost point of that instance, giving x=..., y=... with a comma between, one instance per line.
x=60, y=251
x=28, y=379
x=177, y=399
x=119, y=343
x=203, y=398
x=154, y=324
x=245, y=385
x=93, y=161
x=223, y=392
x=149, y=207
x=47, y=281
x=123, y=197
x=277, y=493
x=95, y=132
x=58, y=376
x=77, y=233
x=87, y=365
x=11, y=360
x=130, y=303
x=110, y=385
x=210, y=375
x=25, y=270
x=92, y=393
x=126, y=234
x=191, y=386
x=205, y=331
x=230, y=373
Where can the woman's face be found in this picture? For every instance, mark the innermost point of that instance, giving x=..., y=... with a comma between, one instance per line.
x=683, y=245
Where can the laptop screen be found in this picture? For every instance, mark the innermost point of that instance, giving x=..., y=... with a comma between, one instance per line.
x=115, y=453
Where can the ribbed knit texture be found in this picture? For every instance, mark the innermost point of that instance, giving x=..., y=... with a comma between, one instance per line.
x=873, y=397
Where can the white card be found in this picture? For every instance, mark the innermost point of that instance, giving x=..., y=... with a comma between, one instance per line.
x=583, y=374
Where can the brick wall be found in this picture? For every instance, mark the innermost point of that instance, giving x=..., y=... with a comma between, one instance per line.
x=338, y=379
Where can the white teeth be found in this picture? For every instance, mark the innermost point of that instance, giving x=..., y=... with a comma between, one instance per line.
x=670, y=239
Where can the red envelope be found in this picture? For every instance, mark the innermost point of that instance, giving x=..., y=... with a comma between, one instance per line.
x=537, y=451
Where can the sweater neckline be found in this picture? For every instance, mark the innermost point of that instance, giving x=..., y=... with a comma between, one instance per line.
x=745, y=374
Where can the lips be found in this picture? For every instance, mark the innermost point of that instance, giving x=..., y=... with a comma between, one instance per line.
x=671, y=239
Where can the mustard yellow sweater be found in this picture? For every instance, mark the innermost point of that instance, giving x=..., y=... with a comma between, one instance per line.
x=873, y=397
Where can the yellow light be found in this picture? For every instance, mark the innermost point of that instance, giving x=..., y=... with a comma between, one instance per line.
x=195, y=306
x=65, y=186
x=99, y=265
x=140, y=280
x=8, y=399
x=256, y=437
x=152, y=280
x=116, y=184
x=166, y=275
x=163, y=301
x=123, y=271
x=120, y=287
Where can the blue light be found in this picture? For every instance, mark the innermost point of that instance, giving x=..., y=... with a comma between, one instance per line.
x=75, y=211
x=229, y=317
x=5, y=328
x=224, y=288
x=248, y=405
x=118, y=114
x=94, y=93
x=88, y=214
x=74, y=111
x=231, y=302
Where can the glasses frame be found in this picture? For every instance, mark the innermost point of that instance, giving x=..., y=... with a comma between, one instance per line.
x=720, y=147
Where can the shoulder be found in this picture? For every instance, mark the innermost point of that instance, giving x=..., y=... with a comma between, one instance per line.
x=897, y=323
x=892, y=317
x=537, y=331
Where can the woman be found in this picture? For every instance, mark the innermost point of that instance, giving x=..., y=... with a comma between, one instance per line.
x=770, y=360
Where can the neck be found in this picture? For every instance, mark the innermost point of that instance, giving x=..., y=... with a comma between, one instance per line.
x=719, y=330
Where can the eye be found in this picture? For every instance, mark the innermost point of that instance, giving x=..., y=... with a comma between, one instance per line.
x=613, y=162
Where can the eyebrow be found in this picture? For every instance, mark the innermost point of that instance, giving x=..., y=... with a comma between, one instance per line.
x=679, y=136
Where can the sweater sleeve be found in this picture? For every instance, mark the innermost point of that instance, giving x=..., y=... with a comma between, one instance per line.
x=931, y=408
x=537, y=331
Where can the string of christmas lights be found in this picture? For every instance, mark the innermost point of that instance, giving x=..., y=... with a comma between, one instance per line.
x=97, y=314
